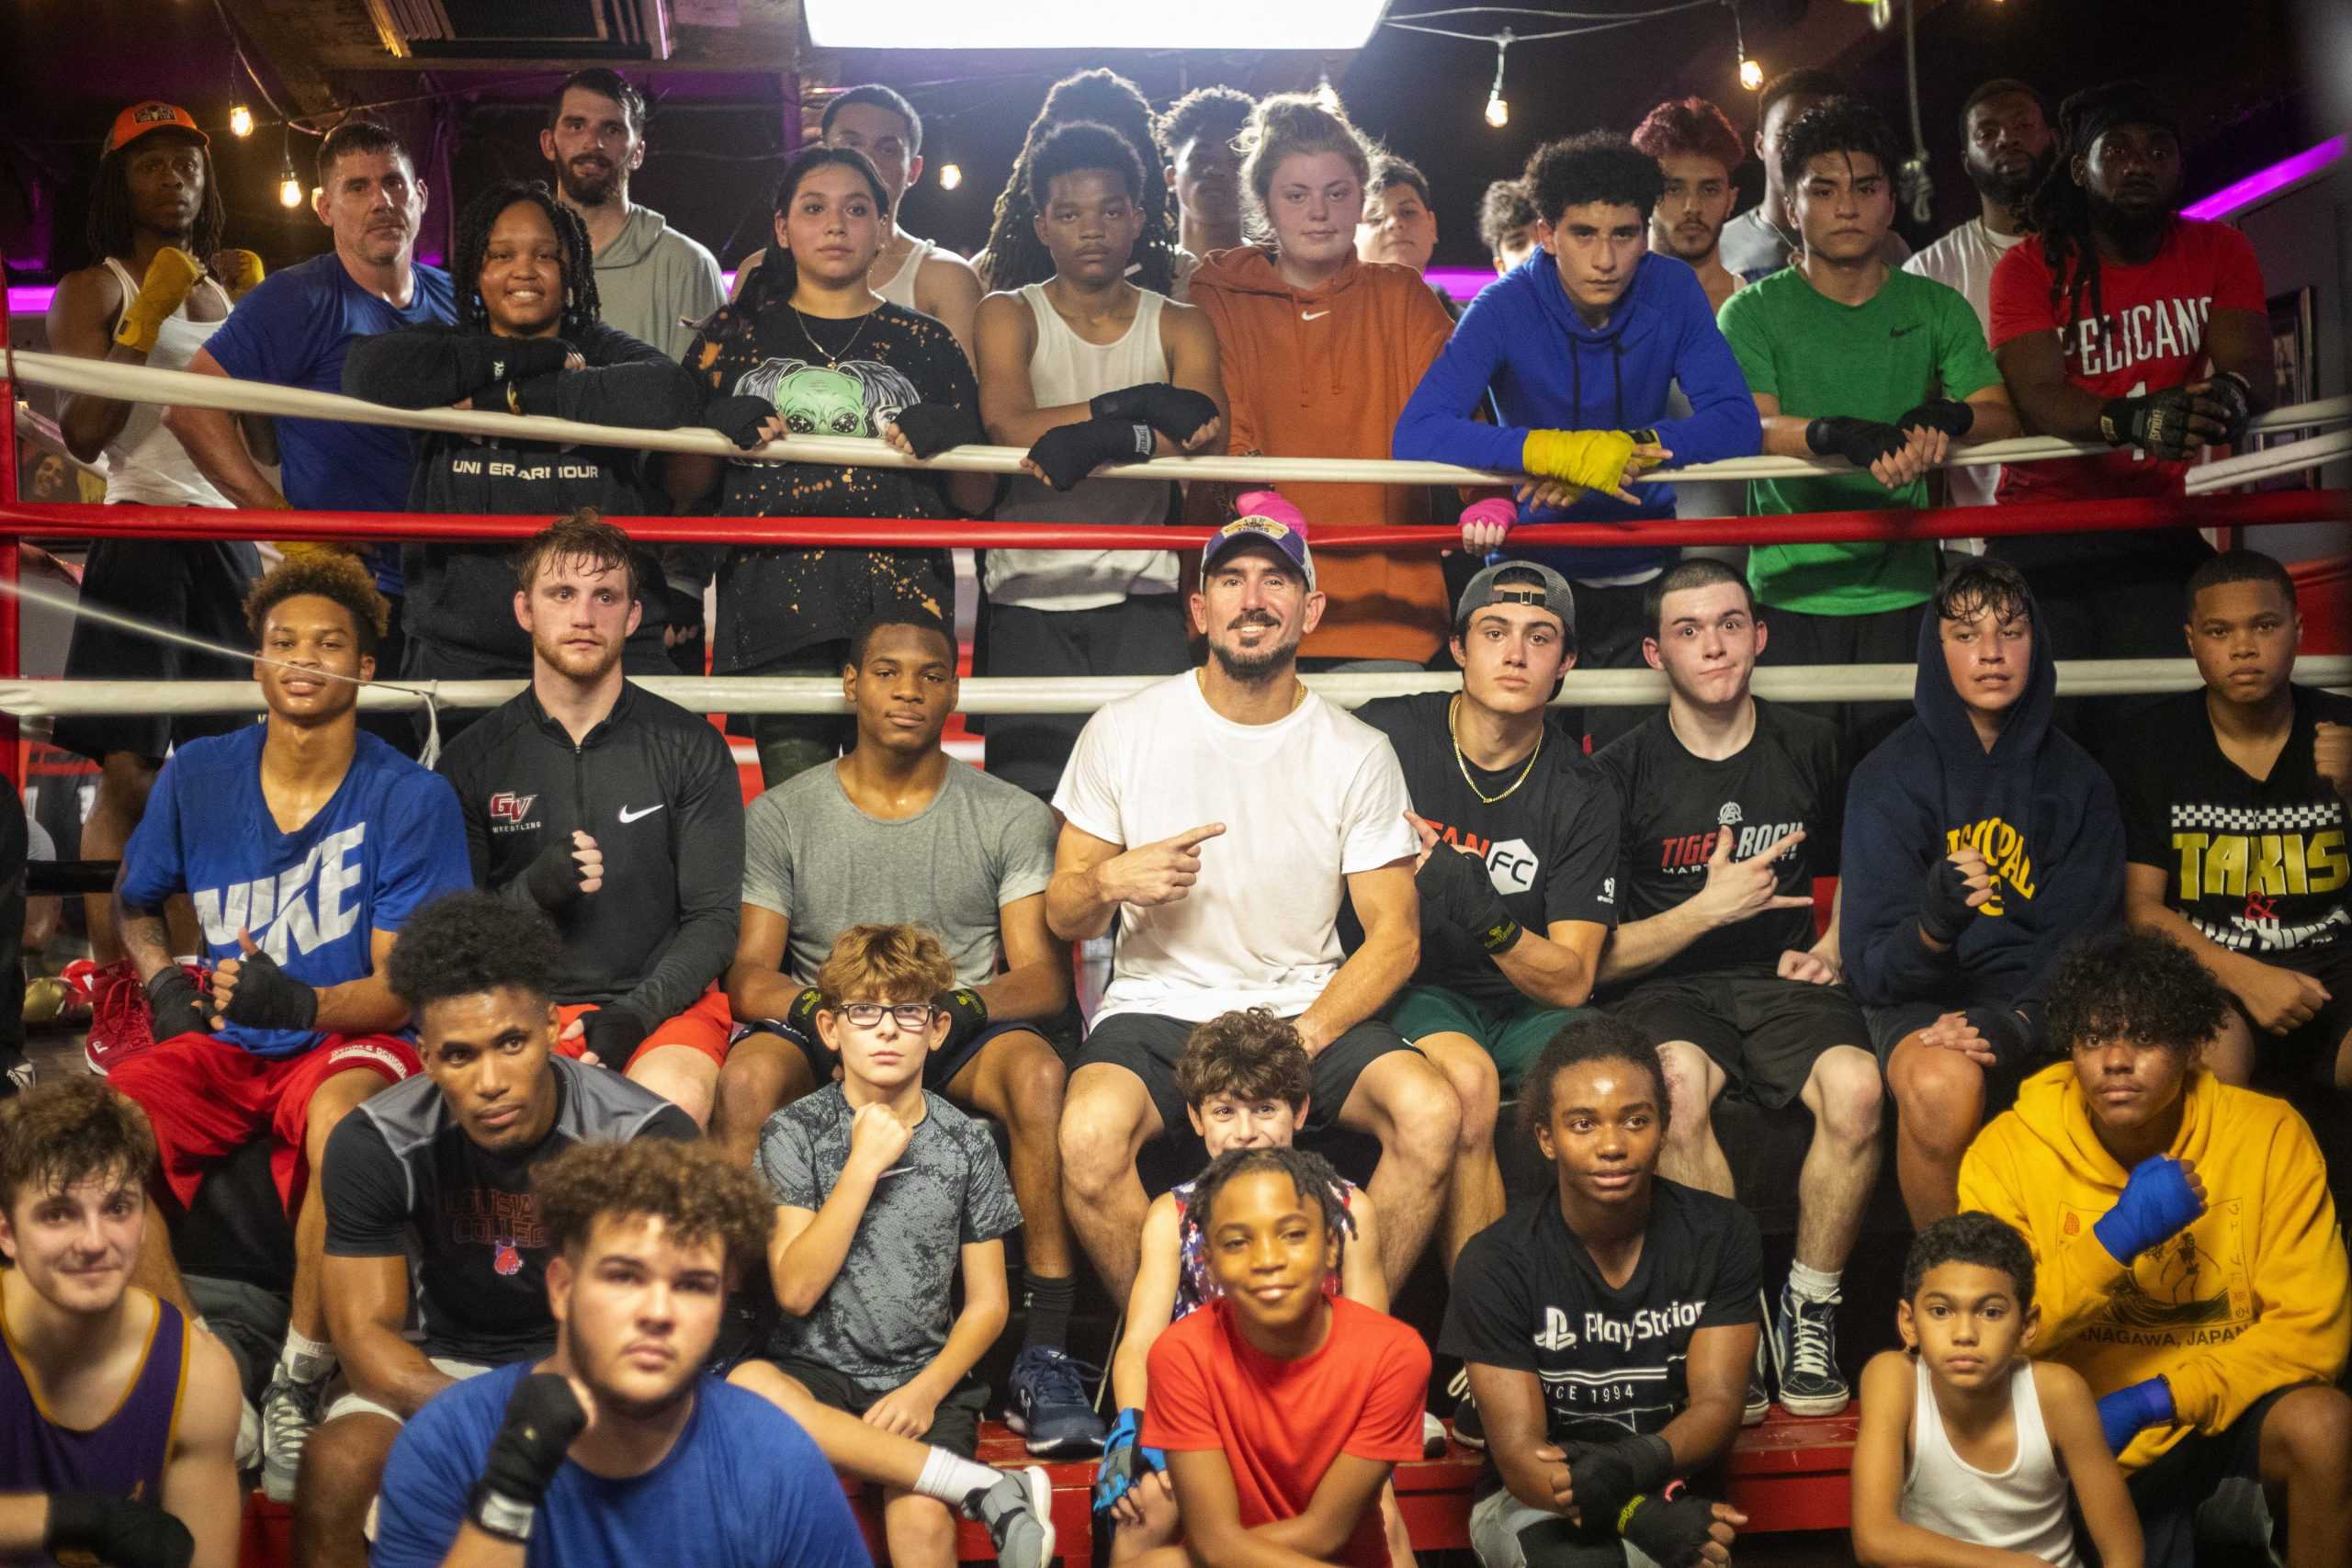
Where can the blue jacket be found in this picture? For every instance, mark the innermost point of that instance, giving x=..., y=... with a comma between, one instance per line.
x=2041, y=811
x=1550, y=371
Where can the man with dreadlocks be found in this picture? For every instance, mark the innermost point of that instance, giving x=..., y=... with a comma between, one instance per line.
x=1281, y=1406
x=1017, y=255
x=158, y=288
x=2118, y=320
x=527, y=340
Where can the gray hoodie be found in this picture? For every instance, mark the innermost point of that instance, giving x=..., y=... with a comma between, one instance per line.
x=650, y=277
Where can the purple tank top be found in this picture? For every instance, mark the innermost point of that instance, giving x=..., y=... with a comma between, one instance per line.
x=122, y=1456
x=1194, y=1289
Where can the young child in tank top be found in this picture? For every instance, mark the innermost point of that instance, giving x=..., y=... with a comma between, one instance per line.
x=1967, y=1448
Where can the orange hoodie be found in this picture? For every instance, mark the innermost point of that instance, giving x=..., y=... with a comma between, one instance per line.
x=1324, y=373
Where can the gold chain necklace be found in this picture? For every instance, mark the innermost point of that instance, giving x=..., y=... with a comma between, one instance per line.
x=1462, y=762
x=833, y=361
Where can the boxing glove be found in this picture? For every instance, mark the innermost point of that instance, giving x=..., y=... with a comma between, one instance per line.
x=163, y=292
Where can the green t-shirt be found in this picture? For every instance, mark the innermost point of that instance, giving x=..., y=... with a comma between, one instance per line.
x=1915, y=339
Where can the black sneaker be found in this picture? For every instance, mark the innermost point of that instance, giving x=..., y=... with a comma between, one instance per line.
x=1804, y=1357
x=1760, y=1394
x=1467, y=1429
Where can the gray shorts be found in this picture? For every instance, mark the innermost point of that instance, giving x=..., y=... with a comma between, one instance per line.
x=351, y=1402
x=1507, y=1533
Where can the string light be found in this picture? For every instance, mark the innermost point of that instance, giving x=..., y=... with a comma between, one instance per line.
x=240, y=120
x=1751, y=73
x=1498, y=107
x=290, y=184
x=950, y=175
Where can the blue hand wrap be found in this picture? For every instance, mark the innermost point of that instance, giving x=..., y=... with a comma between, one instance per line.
x=2157, y=1202
x=1124, y=1459
x=2123, y=1414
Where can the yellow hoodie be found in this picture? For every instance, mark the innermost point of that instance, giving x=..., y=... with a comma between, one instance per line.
x=2249, y=1298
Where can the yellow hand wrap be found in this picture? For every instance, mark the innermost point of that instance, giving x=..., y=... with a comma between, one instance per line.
x=1597, y=459
x=169, y=277
x=238, y=271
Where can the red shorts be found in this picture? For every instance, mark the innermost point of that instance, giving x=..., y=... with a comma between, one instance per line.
x=207, y=1098
x=704, y=1027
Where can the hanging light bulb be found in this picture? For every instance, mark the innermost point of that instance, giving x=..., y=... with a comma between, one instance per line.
x=1751, y=74
x=289, y=190
x=240, y=120
x=1497, y=106
x=950, y=175
x=1327, y=95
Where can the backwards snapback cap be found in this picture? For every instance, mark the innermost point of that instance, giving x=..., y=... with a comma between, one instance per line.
x=146, y=118
x=1549, y=591
x=1265, y=519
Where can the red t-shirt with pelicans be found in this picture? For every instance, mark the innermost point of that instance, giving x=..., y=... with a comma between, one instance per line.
x=2150, y=334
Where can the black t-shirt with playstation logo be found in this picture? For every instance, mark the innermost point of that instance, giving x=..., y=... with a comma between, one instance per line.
x=2260, y=866
x=1528, y=1297
x=1787, y=776
x=1550, y=845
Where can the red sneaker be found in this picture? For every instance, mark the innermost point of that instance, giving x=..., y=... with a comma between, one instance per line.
x=121, y=1025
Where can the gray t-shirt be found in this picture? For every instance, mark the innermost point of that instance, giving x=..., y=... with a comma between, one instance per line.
x=888, y=1314
x=824, y=866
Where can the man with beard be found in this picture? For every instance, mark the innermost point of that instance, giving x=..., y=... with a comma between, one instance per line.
x=652, y=282
x=1696, y=150
x=1204, y=171
x=1766, y=238
x=1219, y=815
x=294, y=330
x=2006, y=150
x=619, y=1447
x=583, y=780
x=2119, y=321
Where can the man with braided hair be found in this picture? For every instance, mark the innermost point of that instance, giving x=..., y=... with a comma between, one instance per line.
x=305, y=846
x=2118, y=320
x=619, y=1447
x=1606, y=1327
x=1281, y=1407
x=1017, y=254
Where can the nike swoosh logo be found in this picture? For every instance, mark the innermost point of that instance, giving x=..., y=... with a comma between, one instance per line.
x=1901, y=332
x=1312, y=315
x=629, y=815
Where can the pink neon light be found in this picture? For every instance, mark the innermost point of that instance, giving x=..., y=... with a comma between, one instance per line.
x=2236, y=198
x=1459, y=282
x=29, y=301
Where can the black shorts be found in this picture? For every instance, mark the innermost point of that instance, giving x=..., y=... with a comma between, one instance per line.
x=1147, y=1044
x=1891, y=1023
x=1142, y=637
x=955, y=1423
x=2283, y=1061
x=2207, y=1488
x=938, y=1068
x=197, y=586
x=1764, y=1033
x=1881, y=637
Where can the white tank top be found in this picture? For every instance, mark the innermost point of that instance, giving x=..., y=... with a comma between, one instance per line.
x=900, y=289
x=145, y=462
x=2022, y=1508
x=1065, y=368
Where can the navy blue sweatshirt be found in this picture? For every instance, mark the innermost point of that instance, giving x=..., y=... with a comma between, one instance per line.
x=1548, y=369
x=2042, y=812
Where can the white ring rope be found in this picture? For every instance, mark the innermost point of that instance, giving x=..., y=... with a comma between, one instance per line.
x=137, y=383
x=2271, y=462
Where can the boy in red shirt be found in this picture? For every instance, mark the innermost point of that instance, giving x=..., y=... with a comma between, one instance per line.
x=1281, y=1409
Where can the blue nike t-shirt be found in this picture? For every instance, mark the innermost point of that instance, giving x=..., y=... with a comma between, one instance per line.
x=294, y=330
x=389, y=840
x=742, y=1487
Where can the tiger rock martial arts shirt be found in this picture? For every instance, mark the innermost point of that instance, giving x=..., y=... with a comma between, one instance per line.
x=400, y=1165
x=1612, y=1358
x=387, y=841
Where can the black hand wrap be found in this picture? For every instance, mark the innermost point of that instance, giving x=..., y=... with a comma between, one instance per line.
x=1069, y=452
x=1943, y=902
x=266, y=997
x=2010, y=1038
x=966, y=1015
x=1950, y=415
x=1456, y=891
x=487, y=363
x=1177, y=412
x=1604, y=1477
x=2229, y=393
x=553, y=879
x=177, y=1003
x=542, y=1418
x=798, y=1024
x=613, y=1033
x=932, y=428
x=117, y=1531
x=1671, y=1532
x=1861, y=442
x=2158, y=423
x=738, y=419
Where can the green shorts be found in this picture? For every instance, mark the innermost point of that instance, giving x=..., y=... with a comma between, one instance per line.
x=1514, y=1032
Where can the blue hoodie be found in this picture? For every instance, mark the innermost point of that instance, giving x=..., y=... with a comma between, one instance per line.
x=1549, y=370
x=2039, y=809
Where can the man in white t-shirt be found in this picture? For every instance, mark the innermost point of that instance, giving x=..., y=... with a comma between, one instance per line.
x=2008, y=150
x=1220, y=815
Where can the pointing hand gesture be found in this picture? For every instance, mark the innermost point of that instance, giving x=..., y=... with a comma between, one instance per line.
x=1739, y=890
x=1159, y=873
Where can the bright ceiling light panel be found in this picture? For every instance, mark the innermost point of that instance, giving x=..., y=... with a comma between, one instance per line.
x=1089, y=24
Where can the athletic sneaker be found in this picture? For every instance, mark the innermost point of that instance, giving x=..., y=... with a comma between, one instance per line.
x=121, y=1023
x=1804, y=1357
x=1049, y=1407
x=1019, y=1512
x=1432, y=1437
x=1467, y=1429
x=288, y=1411
x=1759, y=1396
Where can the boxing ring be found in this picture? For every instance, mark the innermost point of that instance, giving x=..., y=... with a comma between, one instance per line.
x=2203, y=506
